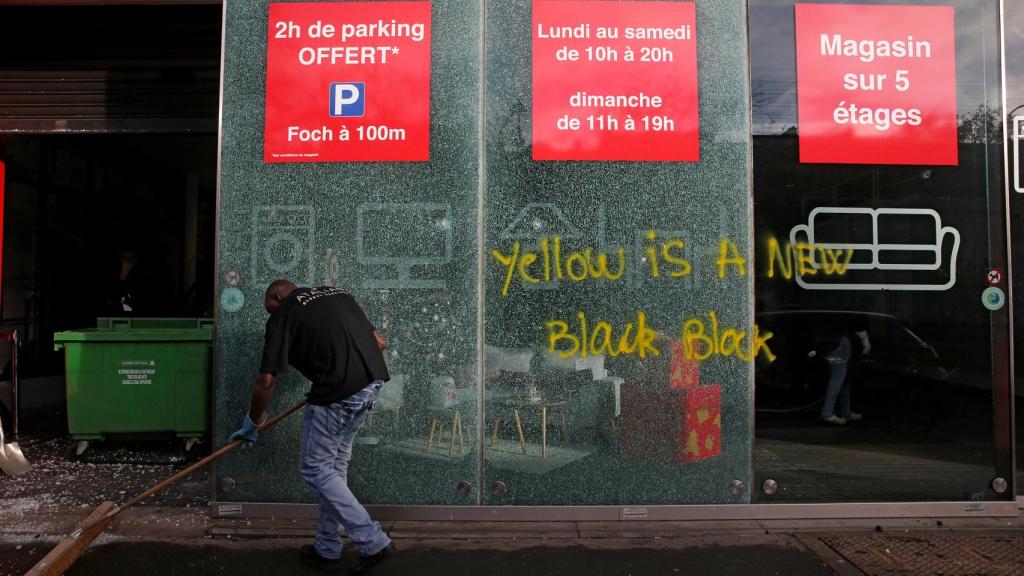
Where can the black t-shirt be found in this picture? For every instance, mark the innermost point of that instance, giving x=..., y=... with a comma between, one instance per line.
x=327, y=337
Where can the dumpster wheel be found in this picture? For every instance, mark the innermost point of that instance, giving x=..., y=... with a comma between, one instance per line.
x=191, y=443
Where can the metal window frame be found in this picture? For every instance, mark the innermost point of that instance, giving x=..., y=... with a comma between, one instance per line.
x=1006, y=390
x=760, y=511
x=473, y=513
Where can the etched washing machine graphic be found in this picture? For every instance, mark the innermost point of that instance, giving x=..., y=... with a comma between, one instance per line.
x=282, y=244
x=875, y=249
x=404, y=236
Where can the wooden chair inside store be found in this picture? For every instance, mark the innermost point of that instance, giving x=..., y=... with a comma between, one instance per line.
x=445, y=407
x=515, y=404
x=438, y=416
x=527, y=395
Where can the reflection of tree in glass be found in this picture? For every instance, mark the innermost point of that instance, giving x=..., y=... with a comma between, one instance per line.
x=771, y=117
x=513, y=130
x=981, y=126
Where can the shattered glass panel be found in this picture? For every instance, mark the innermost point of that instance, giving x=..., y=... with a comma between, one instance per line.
x=594, y=268
x=400, y=236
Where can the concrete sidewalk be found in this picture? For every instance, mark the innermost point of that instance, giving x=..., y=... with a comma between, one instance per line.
x=174, y=534
x=176, y=540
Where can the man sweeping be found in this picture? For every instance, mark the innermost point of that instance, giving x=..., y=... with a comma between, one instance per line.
x=327, y=337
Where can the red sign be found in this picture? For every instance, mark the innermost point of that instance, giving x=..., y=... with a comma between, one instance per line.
x=994, y=276
x=615, y=80
x=348, y=81
x=876, y=84
x=2, y=205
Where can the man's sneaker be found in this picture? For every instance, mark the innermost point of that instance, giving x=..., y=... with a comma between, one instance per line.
x=833, y=419
x=366, y=563
x=313, y=558
x=854, y=416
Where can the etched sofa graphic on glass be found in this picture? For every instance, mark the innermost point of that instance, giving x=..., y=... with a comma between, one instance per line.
x=871, y=249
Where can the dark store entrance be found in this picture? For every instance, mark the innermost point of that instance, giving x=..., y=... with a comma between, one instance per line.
x=76, y=206
x=108, y=123
x=893, y=381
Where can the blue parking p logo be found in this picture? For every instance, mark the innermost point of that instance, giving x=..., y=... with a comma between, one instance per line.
x=347, y=99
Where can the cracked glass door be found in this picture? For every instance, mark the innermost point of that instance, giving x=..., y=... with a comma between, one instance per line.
x=390, y=216
x=880, y=226
x=617, y=221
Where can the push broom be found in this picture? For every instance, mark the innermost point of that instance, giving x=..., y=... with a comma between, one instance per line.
x=69, y=549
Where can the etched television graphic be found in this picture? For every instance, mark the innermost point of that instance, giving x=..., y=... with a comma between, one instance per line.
x=404, y=236
x=282, y=244
x=876, y=249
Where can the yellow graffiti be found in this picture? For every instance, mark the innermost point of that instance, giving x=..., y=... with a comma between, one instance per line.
x=729, y=254
x=600, y=339
x=700, y=341
x=810, y=259
x=666, y=253
x=549, y=262
x=577, y=266
x=699, y=344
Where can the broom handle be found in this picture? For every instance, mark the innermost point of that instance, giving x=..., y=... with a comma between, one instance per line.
x=228, y=448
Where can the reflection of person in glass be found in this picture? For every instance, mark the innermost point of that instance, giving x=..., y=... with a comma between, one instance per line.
x=120, y=297
x=327, y=337
x=838, y=360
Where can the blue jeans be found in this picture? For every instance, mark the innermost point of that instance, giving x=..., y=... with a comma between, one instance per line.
x=837, y=361
x=327, y=436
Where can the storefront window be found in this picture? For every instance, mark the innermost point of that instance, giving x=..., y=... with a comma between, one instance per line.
x=597, y=224
x=596, y=349
x=1014, y=52
x=877, y=243
x=400, y=236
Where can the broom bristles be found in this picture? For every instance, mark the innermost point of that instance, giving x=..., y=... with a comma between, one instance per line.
x=64, y=554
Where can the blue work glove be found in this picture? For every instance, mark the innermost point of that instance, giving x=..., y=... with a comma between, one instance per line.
x=247, y=433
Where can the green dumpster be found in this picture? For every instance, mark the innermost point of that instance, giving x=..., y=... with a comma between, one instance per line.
x=138, y=376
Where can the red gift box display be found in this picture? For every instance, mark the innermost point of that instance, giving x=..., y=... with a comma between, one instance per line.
x=667, y=415
x=684, y=373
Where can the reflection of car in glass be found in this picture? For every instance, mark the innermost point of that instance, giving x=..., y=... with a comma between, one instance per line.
x=899, y=361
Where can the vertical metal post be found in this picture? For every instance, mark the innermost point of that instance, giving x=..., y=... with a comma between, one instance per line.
x=15, y=382
x=12, y=337
x=1006, y=434
x=1018, y=123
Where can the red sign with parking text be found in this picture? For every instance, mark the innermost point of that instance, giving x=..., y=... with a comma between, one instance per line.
x=348, y=81
x=615, y=80
x=876, y=84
